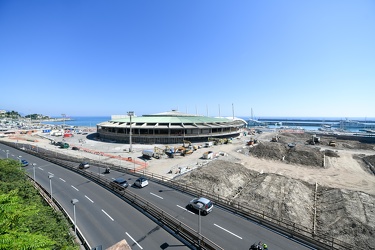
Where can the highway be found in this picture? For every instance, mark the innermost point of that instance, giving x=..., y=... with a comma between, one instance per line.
x=102, y=217
x=105, y=219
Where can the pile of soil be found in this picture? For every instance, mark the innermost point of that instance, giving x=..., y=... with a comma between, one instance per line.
x=297, y=154
x=348, y=216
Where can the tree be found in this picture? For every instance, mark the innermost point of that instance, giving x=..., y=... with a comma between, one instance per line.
x=26, y=221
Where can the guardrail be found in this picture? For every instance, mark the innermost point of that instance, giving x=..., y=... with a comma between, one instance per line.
x=57, y=207
x=191, y=236
x=286, y=227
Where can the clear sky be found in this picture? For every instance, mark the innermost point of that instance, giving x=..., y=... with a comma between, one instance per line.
x=310, y=58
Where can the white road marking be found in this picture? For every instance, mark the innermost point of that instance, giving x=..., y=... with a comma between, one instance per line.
x=40, y=168
x=184, y=209
x=157, y=196
x=107, y=215
x=50, y=173
x=228, y=231
x=133, y=240
x=89, y=199
x=74, y=187
x=62, y=179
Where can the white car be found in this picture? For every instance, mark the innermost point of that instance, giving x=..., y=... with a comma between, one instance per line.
x=84, y=165
x=201, y=204
x=141, y=182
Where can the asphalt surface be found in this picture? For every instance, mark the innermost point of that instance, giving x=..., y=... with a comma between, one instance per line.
x=105, y=219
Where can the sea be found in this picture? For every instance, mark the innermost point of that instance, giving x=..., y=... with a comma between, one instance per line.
x=92, y=121
x=81, y=121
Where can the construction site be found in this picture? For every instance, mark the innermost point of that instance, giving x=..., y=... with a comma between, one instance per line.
x=319, y=182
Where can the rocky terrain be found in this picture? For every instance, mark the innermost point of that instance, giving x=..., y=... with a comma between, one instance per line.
x=345, y=214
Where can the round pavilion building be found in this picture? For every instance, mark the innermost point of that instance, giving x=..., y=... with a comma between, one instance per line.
x=169, y=128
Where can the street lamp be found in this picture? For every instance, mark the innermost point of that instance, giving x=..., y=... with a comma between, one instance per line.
x=199, y=226
x=50, y=183
x=74, y=201
x=130, y=114
x=34, y=170
x=7, y=153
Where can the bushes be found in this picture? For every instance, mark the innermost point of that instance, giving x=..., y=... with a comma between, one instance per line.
x=26, y=221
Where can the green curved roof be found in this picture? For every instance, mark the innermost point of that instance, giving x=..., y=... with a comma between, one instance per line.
x=171, y=117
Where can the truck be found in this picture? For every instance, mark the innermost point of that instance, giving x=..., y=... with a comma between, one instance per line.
x=208, y=144
x=208, y=155
x=147, y=153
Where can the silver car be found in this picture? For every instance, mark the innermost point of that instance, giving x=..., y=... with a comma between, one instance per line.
x=201, y=204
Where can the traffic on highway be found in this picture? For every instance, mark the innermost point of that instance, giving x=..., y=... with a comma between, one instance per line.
x=105, y=218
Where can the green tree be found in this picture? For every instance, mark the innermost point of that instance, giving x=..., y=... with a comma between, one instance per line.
x=26, y=220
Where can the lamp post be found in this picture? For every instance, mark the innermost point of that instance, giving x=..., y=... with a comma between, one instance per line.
x=199, y=226
x=19, y=157
x=7, y=153
x=34, y=170
x=74, y=201
x=130, y=114
x=50, y=183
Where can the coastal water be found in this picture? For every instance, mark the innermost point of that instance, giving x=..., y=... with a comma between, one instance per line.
x=92, y=121
x=81, y=121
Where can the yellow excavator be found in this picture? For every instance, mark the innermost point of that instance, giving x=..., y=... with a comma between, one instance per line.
x=187, y=144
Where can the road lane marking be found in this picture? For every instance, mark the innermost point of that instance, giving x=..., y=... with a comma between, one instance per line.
x=74, y=187
x=184, y=209
x=228, y=231
x=50, y=173
x=157, y=196
x=89, y=199
x=133, y=240
x=40, y=168
x=62, y=179
x=107, y=215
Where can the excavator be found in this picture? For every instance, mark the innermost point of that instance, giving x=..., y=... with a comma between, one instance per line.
x=187, y=144
x=158, y=152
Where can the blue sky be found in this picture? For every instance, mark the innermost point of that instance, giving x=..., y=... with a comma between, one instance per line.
x=98, y=58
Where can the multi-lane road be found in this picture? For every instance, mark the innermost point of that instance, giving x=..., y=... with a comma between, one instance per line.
x=104, y=218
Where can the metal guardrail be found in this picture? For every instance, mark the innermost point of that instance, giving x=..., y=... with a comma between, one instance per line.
x=57, y=207
x=191, y=236
x=286, y=227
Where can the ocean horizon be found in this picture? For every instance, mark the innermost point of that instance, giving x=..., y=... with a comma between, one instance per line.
x=92, y=121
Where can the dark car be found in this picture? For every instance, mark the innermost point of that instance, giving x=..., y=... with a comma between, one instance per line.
x=24, y=163
x=75, y=148
x=120, y=183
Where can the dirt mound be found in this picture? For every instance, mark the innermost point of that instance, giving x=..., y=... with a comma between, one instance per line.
x=331, y=153
x=297, y=154
x=278, y=196
x=348, y=216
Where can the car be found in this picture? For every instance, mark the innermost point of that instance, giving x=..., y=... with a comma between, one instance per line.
x=64, y=145
x=24, y=163
x=84, y=165
x=59, y=144
x=119, y=183
x=201, y=204
x=141, y=182
x=75, y=148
